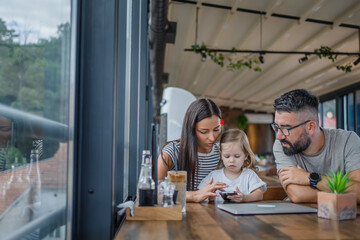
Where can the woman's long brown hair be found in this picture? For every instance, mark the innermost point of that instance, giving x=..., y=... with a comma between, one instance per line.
x=188, y=153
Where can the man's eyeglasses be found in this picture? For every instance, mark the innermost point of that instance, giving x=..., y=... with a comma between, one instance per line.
x=286, y=130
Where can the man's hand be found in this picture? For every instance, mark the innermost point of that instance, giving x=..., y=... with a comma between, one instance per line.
x=293, y=175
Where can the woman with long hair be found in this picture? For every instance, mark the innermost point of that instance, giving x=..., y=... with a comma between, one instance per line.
x=196, y=151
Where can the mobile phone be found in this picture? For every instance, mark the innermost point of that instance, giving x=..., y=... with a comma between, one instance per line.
x=224, y=195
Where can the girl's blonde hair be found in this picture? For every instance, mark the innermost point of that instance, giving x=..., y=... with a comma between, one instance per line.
x=238, y=136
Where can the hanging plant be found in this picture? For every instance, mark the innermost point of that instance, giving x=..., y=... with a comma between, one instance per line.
x=233, y=63
x=226, y=60
x=242, y=121
x=326, y=52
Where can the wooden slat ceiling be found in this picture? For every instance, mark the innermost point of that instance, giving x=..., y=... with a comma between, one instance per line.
x=230, y=24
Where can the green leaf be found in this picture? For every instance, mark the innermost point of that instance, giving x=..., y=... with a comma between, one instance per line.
x=257, y=69
x=338, y=182
x=221, y=56
x=195, y=47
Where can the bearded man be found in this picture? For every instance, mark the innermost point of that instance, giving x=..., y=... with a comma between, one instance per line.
x=305, y=153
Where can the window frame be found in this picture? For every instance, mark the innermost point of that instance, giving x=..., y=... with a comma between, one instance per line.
x=341, y=105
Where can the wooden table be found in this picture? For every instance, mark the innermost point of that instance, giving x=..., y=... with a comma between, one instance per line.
x=205, y=221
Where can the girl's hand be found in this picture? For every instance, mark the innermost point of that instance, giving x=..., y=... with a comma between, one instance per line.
x=240, y=197
x=208, y=191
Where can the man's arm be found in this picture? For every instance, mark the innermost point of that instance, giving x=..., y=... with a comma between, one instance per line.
x=299, y=193
x=294, y=179
x=355, y=175
x=352, y=163
x=296, y=184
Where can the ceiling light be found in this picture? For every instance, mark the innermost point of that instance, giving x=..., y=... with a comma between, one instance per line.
x=203, y=56
x=303, y=59
x=261, y=59
x=357, y=61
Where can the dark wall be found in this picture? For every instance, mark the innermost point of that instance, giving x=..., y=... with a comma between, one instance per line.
x=261, y=138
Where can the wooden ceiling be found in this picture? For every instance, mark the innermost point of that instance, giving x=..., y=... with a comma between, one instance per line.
x=287, y=25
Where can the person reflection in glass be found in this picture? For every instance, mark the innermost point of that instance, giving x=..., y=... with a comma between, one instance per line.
x=5, y=137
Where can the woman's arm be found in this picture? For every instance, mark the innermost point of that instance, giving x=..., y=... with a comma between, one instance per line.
x=256, y=195
x=209, y=190
x=164, y=165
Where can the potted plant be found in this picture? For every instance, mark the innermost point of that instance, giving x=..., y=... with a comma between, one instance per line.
x=242, y=121
x=338, y=204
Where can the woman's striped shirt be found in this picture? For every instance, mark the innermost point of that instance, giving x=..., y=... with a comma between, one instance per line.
x=206, y=161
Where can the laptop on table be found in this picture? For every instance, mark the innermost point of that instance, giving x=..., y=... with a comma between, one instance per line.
x=265, y=208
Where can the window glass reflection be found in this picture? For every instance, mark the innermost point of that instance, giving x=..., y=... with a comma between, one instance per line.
x=329, y=114
x=350, y=111
x=357, y=112
x=34, y=117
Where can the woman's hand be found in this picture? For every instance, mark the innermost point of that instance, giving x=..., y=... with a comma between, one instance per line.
x=255, y=195
x=208, y=191
x=239, y=197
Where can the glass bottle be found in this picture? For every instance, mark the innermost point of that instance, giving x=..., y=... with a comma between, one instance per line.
x=30, y=167
x=19, y=170
x=146, y=184
x=11, y=179
x=36, y=188
x=144, y=154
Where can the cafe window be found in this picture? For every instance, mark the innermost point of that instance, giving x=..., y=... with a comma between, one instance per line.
x=36, y=115
x=350, y=112
x=344, y=104
x=357, y=112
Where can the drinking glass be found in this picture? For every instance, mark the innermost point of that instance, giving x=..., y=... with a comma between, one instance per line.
x=179, y=179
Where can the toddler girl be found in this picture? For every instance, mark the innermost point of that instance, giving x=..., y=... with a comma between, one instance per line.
x=237, y=169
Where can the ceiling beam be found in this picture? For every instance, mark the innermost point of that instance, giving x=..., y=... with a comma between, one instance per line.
x=304, y=82
x=225, y=21
x=284, y=32
x=267, y=14
x=285, y=78
x=337, y=21
x=346, y=81
x=250, y=88
x=181, y=60
x=246, y=38
x=316, y=5
x=273, y=5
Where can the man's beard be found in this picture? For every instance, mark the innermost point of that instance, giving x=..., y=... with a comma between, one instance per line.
x=299, y=145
